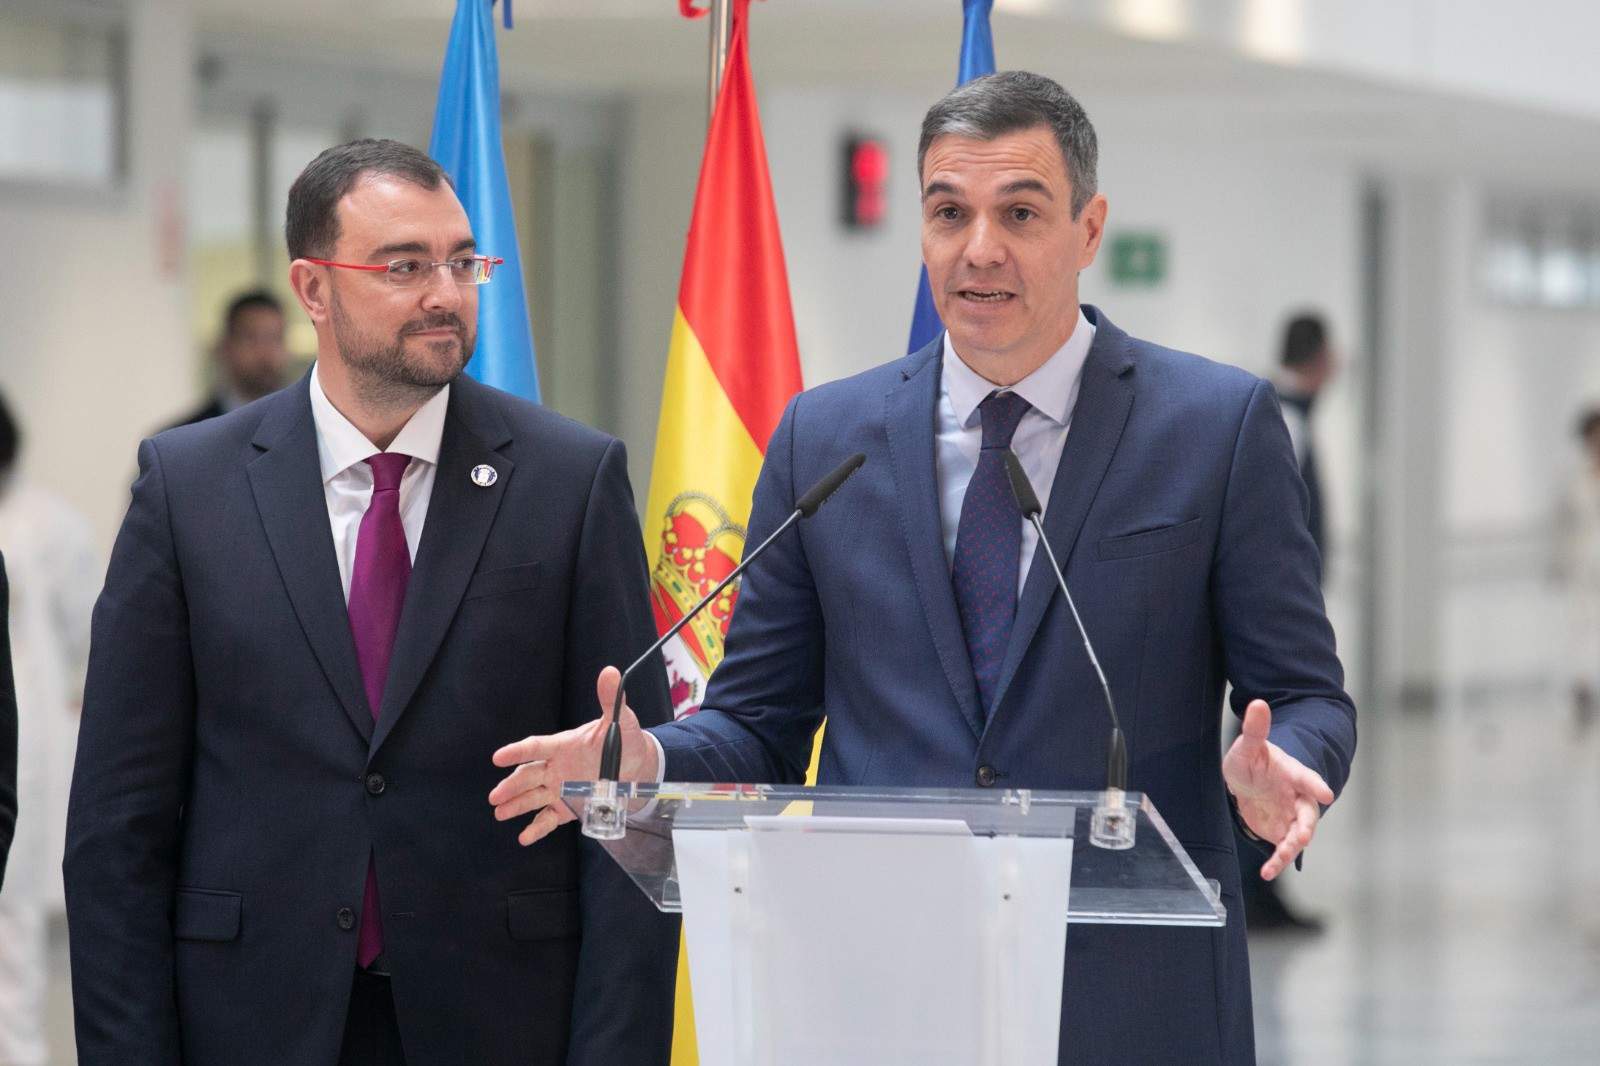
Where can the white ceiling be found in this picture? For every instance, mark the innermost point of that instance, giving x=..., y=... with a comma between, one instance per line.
x=609, y=48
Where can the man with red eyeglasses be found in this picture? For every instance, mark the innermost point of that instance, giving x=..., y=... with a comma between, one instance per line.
x=325, y=610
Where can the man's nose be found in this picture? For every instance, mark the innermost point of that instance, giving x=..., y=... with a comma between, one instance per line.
x=440, y=291
x=985, y=244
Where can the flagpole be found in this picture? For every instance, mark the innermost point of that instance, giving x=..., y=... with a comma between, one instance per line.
x=721, y=21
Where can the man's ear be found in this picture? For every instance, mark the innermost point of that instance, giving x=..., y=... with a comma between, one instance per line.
x=310, y=284
x=1094, y=227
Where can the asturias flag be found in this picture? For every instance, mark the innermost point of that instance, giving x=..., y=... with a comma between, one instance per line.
x=977, y=59
x=732, y=365
x=466, y=142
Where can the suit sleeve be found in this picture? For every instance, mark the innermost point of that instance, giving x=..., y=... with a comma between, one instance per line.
x=8, y=729
x=128, y=789
x=1276, y=639
x=622, y=1010
x=765, y=701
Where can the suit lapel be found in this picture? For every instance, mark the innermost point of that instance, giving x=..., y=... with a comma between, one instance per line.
x=460, y=513
x=1098, y=417
x=286, y=481
x=909, y=422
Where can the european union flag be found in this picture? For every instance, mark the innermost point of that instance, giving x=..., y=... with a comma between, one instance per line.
x=466, y=142
x=977, y=59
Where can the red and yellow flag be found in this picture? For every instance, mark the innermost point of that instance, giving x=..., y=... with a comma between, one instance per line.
x=732, y=366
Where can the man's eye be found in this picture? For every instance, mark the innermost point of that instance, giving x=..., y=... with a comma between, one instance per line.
x=405, y=267
x=1022, y=214
x=948, y=213
x=464, y=263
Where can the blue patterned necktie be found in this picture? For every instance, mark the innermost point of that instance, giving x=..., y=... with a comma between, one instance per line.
x=989, y=547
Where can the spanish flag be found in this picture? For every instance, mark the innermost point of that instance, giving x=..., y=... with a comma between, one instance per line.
x=732, y=366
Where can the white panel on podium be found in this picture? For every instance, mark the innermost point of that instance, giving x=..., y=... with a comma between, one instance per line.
x=915, y=956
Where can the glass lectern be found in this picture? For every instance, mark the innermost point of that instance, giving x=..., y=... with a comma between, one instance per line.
x=887, y=925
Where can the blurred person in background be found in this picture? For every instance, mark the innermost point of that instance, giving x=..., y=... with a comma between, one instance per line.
x=252, y=359
x=1577, y=560
x=1305, y=365
x=54, y=575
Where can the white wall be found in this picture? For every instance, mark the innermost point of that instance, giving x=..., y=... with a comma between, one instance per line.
x=1515, y=381
x=852, y=291
x=659, y=156
x=96, y=349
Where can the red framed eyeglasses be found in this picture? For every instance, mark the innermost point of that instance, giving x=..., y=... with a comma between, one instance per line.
x=407, y=273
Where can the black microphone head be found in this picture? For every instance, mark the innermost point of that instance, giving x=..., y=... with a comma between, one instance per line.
x=807, y=505
x=1021, y=487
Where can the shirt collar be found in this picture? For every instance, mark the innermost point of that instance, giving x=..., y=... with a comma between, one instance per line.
x=340, y=445
x=1051, y=390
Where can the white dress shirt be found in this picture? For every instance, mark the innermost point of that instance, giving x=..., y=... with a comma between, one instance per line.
x=342, y=451
x=1051, y=392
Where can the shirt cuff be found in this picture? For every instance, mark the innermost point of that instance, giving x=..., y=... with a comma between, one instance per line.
x=661, y=758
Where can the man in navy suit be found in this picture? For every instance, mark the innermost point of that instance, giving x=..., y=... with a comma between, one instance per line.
x=324, y=612
x=914, y=614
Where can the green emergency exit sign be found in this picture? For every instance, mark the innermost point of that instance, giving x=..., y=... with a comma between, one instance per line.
x=1138, y=259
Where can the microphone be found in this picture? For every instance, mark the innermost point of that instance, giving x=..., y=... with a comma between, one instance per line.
x=1112, y=825
x=603, y=817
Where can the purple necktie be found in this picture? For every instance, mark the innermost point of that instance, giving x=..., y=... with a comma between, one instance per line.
x=989, y=548
x=377, y=592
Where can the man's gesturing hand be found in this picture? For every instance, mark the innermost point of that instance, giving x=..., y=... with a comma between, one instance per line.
x=543, y=763
x=1278, y=795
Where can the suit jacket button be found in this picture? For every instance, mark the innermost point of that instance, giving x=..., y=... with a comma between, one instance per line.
x=346, y=919
x=986, y=776
x=376, y=784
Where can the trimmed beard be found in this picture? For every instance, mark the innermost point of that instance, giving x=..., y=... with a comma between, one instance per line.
x=380, y=369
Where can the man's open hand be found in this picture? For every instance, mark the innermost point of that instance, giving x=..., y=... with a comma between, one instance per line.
x=544, y=762
x=1278, y=796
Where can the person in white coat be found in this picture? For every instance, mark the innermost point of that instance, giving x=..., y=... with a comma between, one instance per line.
x=54, y=574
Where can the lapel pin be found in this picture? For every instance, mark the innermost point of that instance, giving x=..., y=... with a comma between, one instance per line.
x=484, y=475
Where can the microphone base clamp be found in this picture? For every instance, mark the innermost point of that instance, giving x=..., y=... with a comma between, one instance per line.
x=1113, y=822
x=604, y=817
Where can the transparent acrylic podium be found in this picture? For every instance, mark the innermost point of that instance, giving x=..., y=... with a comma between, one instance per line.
x=887, y=926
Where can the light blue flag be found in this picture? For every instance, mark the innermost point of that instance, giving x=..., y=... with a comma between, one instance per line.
x=466, y=142
x=977, y=59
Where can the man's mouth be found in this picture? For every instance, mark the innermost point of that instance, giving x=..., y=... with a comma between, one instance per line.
x=986, y=296
x=436, y=332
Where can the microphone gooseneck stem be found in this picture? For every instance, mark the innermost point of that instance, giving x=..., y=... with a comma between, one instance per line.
x=1117, y=756
x=1028, y=504
x=611, y=750
x=804, y=507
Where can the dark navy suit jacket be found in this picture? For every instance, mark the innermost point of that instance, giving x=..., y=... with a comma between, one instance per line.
x=1174, y=514
x=231, y=783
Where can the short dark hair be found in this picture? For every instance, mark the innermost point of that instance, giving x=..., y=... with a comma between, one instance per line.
x=1305, y=339
x=311, y=224
x=10, y=437
x=245, y=301
x=1588, y=422
x=1012, y=100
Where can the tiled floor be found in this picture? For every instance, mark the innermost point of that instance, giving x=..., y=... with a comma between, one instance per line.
x=1460, y=875
x=1461, y=879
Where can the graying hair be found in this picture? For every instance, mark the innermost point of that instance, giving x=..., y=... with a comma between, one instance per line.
x=1013, y=100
